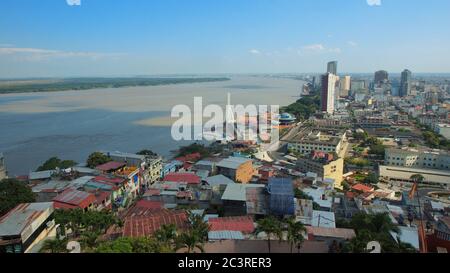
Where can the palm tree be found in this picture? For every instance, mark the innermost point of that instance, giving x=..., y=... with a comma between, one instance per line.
x=167, y=235
x=417, y=178
x=55, y=246
x=199, y=226
x=190, y=240
x=295, y=232
x=90, y=238
x=270, y=225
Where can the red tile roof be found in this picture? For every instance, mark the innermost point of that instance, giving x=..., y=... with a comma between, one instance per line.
x=72, y=198
x=362, y=188
x=149, y=204
x=116, y=181
x=145, y=222
x=244, y=224
x=110, y=166
x=189, y=178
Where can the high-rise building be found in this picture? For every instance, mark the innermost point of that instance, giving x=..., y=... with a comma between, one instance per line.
x=344, y=87
x=381, y=76
x=332, y=67
x=3, y=173
x=405, y=83
x=328, y=93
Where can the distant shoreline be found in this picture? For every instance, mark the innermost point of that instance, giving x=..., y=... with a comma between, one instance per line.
x=74, y=84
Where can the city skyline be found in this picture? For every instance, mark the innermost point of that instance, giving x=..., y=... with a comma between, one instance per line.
x=54, y=39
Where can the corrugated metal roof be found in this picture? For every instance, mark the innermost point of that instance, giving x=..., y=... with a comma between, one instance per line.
x=41, y=175
x=110, y=166
x=323, y=219
x=343, y=233
x=233, y=162
x=74, y=197
x=23, y=216
x=219, y=180
x=237, y=192
x=225, y=235
x=244, y=224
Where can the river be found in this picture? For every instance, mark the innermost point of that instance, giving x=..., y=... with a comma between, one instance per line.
x=72, y=124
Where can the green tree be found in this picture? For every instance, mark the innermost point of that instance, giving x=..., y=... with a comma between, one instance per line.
x=96, y=159
x=147, y=153
x=371, y=179
x=191, y=240
x=374, y=227
x=167, y=235
x=295, y=232
x=54, y=162
x=417, y=178
x=121, y=245
x=13, y=193
x=271, y=226
x=56, y=245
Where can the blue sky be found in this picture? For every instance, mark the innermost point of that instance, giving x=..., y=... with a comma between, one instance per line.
x=140, y=37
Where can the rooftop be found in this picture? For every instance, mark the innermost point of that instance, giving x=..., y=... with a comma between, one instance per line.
x=219, y=180
x=225, y=235
x=243, y=224
x=237, y=192
x=343, y=233
x=110, y=166
x=323, y=219
x=233, y=162
x=141, y=222
x=17, y=220
x=189, y=178
x=72, y=198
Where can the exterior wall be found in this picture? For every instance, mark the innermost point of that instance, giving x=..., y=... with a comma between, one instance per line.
x=403, y=174
x=245, y=172
x=416, y=159
x=2, y=167
x=333, y=170
x=306, y=148
x=328, y=93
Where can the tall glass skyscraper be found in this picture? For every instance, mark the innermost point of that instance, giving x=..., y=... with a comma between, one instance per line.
x=405, y=83
x=332, y=67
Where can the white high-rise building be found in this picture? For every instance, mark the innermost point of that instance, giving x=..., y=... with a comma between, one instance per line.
x=345, y=85
x=328, y=92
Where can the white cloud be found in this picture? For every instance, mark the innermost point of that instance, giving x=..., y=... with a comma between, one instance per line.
x=318, y=49
x=374, y=2
x=37, y=54
x=73, y=2
x=255, y=51
x=352, y=43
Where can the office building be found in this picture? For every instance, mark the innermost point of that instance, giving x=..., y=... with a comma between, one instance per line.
x=3, y=173
x=328, y=93
x=344, y=86
x=405, y=83
x=381, y=76
x=332, y=67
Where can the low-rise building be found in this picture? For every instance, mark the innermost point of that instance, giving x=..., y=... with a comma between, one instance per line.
x=234, y=198
x=325, y=165
x=237, y=168
x=24, y=228
x=74, y=199
x=418, y=158
x=403, y=174
x=307, y=141
x=281, y=193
